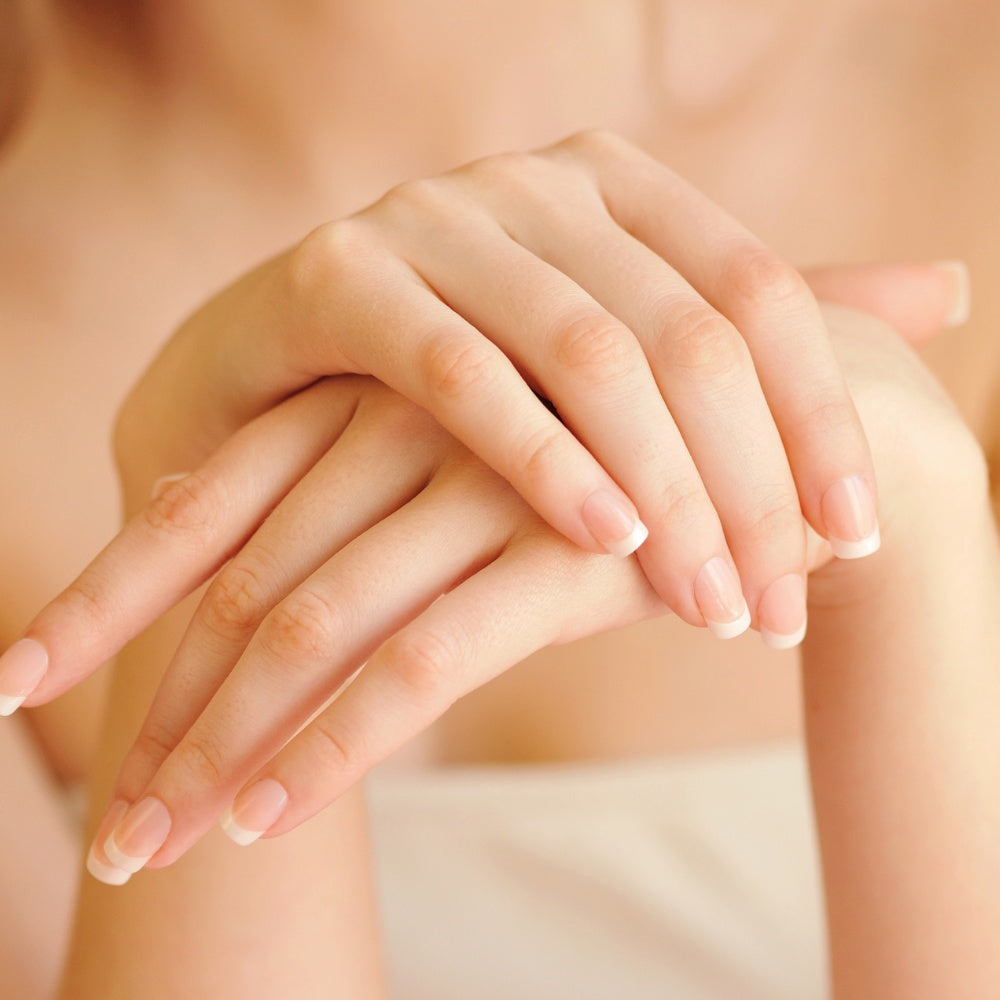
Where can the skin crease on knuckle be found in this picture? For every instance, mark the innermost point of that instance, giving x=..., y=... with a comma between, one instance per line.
x=237, y=600
x=189, y=508
x=761, y=284
x=701, y=343
x=594, y=348
x=301, y=631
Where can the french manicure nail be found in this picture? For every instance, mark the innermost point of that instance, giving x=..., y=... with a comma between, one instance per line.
x=164, y=481
x=21, y=669
x=613, y=523
x=139, y=835
x=97, y=862
x=720, y=598
x=254, y=811
x=851, y=522
x=781, y=613
x=108, y=874
x=956, y=274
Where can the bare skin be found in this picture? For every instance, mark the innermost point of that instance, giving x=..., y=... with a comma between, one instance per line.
x=796, y=132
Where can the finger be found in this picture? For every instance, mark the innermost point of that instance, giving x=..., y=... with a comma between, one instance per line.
x=703, y=369
x=303, y=652
x=381, y=460
x=186, y=533
x=775, y=312
x=917, y=300
x=458, y=644
x=592, y=366
x=342, y=302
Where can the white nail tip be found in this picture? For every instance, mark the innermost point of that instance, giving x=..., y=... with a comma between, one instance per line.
x=107, y=874
x=122, y=860
x=961, y=306
x=632, y=542
x=779, y=640
x=729, y=630
x=236, y=833
x=9, y=705
x=856, y=550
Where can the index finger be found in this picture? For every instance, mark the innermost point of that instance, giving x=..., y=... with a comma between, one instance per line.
x=171, y=546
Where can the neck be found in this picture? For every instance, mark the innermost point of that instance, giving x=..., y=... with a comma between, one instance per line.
x=443, y=80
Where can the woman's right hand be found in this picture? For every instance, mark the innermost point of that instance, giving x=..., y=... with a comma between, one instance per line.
x=696, y=391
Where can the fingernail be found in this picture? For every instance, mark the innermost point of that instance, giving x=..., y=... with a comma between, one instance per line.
x=613, y=523
x=97, y=862
x=851, y=521
x=254, y=811
x=21, y=669
x=139, y=835
x=164, y=481
x=956, y=275
x=781, y=613
x=720, y=598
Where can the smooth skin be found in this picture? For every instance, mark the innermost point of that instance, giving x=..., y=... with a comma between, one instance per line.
x=197, y=521
x=611, y=286
x=873, y=727
x=892, y=210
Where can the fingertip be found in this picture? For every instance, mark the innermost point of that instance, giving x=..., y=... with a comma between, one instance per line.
x=107, y=873
x=254, y=811
x=236, y=833
x=958, y=286
x=730, y=630
x=614, y=523
x=22, y=668
x=98, y=863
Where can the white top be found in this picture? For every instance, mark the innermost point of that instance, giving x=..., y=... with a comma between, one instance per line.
x=693, y=877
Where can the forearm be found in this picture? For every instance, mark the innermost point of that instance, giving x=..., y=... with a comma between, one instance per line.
x=293, y=917
x=902, y=691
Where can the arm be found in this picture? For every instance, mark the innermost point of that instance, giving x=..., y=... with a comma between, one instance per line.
x=902, y=702
x=296, y=921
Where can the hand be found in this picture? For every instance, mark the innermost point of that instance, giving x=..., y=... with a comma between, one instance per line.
x=593, y=276
x=533, y=589
x=302, y=634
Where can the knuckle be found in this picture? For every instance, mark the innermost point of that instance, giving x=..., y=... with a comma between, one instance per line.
x=594, y=347
x=201, y=760
x=237, y=600
x=501, y=169
x=421, y=197
x=87, y=600
x=300, y=630
x=456, y=368
x=773, y=516
x=762, y=282
x=832, y=417
x=539, y=454
x=154, y=744
x=326, y=258
x=424, y=662
x=187, y=506
x=682, y=506
x=333, y=748
x=516, y=179
x=703, y=343
x=592, y=141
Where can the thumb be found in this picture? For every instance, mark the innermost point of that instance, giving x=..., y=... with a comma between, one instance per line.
x=918, y=300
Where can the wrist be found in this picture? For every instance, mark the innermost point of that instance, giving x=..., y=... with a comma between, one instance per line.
x=939, y=536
